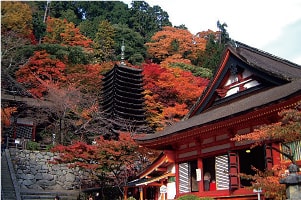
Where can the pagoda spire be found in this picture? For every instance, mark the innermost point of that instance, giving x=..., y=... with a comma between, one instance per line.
x=122, y=53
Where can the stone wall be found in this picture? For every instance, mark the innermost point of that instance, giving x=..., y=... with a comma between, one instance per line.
x=34, y=171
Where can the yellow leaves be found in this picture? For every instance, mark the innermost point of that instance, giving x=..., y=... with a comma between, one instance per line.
x=62, y=32
x=16, y=16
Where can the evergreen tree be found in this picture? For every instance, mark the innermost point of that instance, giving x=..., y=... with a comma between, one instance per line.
x=147, y=20
x=104, y=41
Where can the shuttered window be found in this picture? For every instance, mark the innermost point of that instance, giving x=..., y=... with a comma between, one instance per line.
x=184, y=180
x=222, y=174
x=187, y=177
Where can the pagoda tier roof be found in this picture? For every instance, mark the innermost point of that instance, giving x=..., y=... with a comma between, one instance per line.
x=122, y=103
x=124, y=115
x=121, y=121
x=130, y=111
x=124, y=86
x=121, y=73
x=122, y=93
x=128, y=99
x=129, y=82
x=129, y=69
x=141, y=124
x=125, y=72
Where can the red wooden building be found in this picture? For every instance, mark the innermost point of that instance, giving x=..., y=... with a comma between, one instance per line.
x=248, y=90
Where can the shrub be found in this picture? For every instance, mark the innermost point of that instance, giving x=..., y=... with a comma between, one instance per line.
x=193, y=197
x=32, y=145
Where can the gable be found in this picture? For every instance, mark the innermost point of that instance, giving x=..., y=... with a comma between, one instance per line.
x=236, y=78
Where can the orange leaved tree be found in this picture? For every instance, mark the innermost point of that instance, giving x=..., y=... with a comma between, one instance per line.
x=169, y=93
x=171, y=41
x=62, y=32
x=41, y=67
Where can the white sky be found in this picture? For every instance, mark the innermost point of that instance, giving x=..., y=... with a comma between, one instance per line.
x=273, y=26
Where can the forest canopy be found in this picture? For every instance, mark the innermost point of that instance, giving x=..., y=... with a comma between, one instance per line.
x=65, y=47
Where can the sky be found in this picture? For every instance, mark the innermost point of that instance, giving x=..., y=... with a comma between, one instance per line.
x=273, y=26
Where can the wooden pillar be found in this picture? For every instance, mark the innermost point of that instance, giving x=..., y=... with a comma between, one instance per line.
x=177, y=179
x=33, y=136
x=141, y=192
x=125, y=196
x=201, y=182
x=276, y=154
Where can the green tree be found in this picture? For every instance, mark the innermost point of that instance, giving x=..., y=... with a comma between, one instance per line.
x=147, y=20
x=224, y=35
x=135, y=50
x=65, y=10
x=210, y=58
x=104, y=41
x=113, y=11
x=89, y=27
x=39, y=10
x=216, y=43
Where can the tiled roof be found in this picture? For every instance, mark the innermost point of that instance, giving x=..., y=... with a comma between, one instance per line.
x=267, y=62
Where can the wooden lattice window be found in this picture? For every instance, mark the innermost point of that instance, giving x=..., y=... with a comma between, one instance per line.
x=293, y=148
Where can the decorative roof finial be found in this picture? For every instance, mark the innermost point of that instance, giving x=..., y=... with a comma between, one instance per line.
x=122, y=53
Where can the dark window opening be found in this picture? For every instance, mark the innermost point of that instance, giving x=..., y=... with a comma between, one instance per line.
x=209, y=173
x=194, y=182
x=247, y=159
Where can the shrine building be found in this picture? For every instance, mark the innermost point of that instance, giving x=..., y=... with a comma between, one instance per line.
x=249, y=88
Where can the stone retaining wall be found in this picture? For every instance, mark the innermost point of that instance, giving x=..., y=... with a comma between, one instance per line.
x=34, y=171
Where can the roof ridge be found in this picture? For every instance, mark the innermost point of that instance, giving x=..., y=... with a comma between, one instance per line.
x=264, y=53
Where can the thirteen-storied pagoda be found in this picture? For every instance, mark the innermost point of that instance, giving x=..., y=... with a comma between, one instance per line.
x=123, y=100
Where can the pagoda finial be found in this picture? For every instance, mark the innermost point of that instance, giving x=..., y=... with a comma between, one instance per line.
x=122, y=53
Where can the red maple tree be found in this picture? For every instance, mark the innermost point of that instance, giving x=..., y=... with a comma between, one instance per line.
x=117, y=160
x=41, y=67
x=169, y=93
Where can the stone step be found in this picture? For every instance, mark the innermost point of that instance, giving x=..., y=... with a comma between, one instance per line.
x=7, y=187
x=64, y=195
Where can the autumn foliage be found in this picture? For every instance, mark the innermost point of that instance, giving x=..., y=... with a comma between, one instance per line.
x=169, y=93
x=41, y=67
x=171, y=41
x=16, y=17
x=115, y=158
x=6, y=114
x=65, y=33
x=286, y=130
